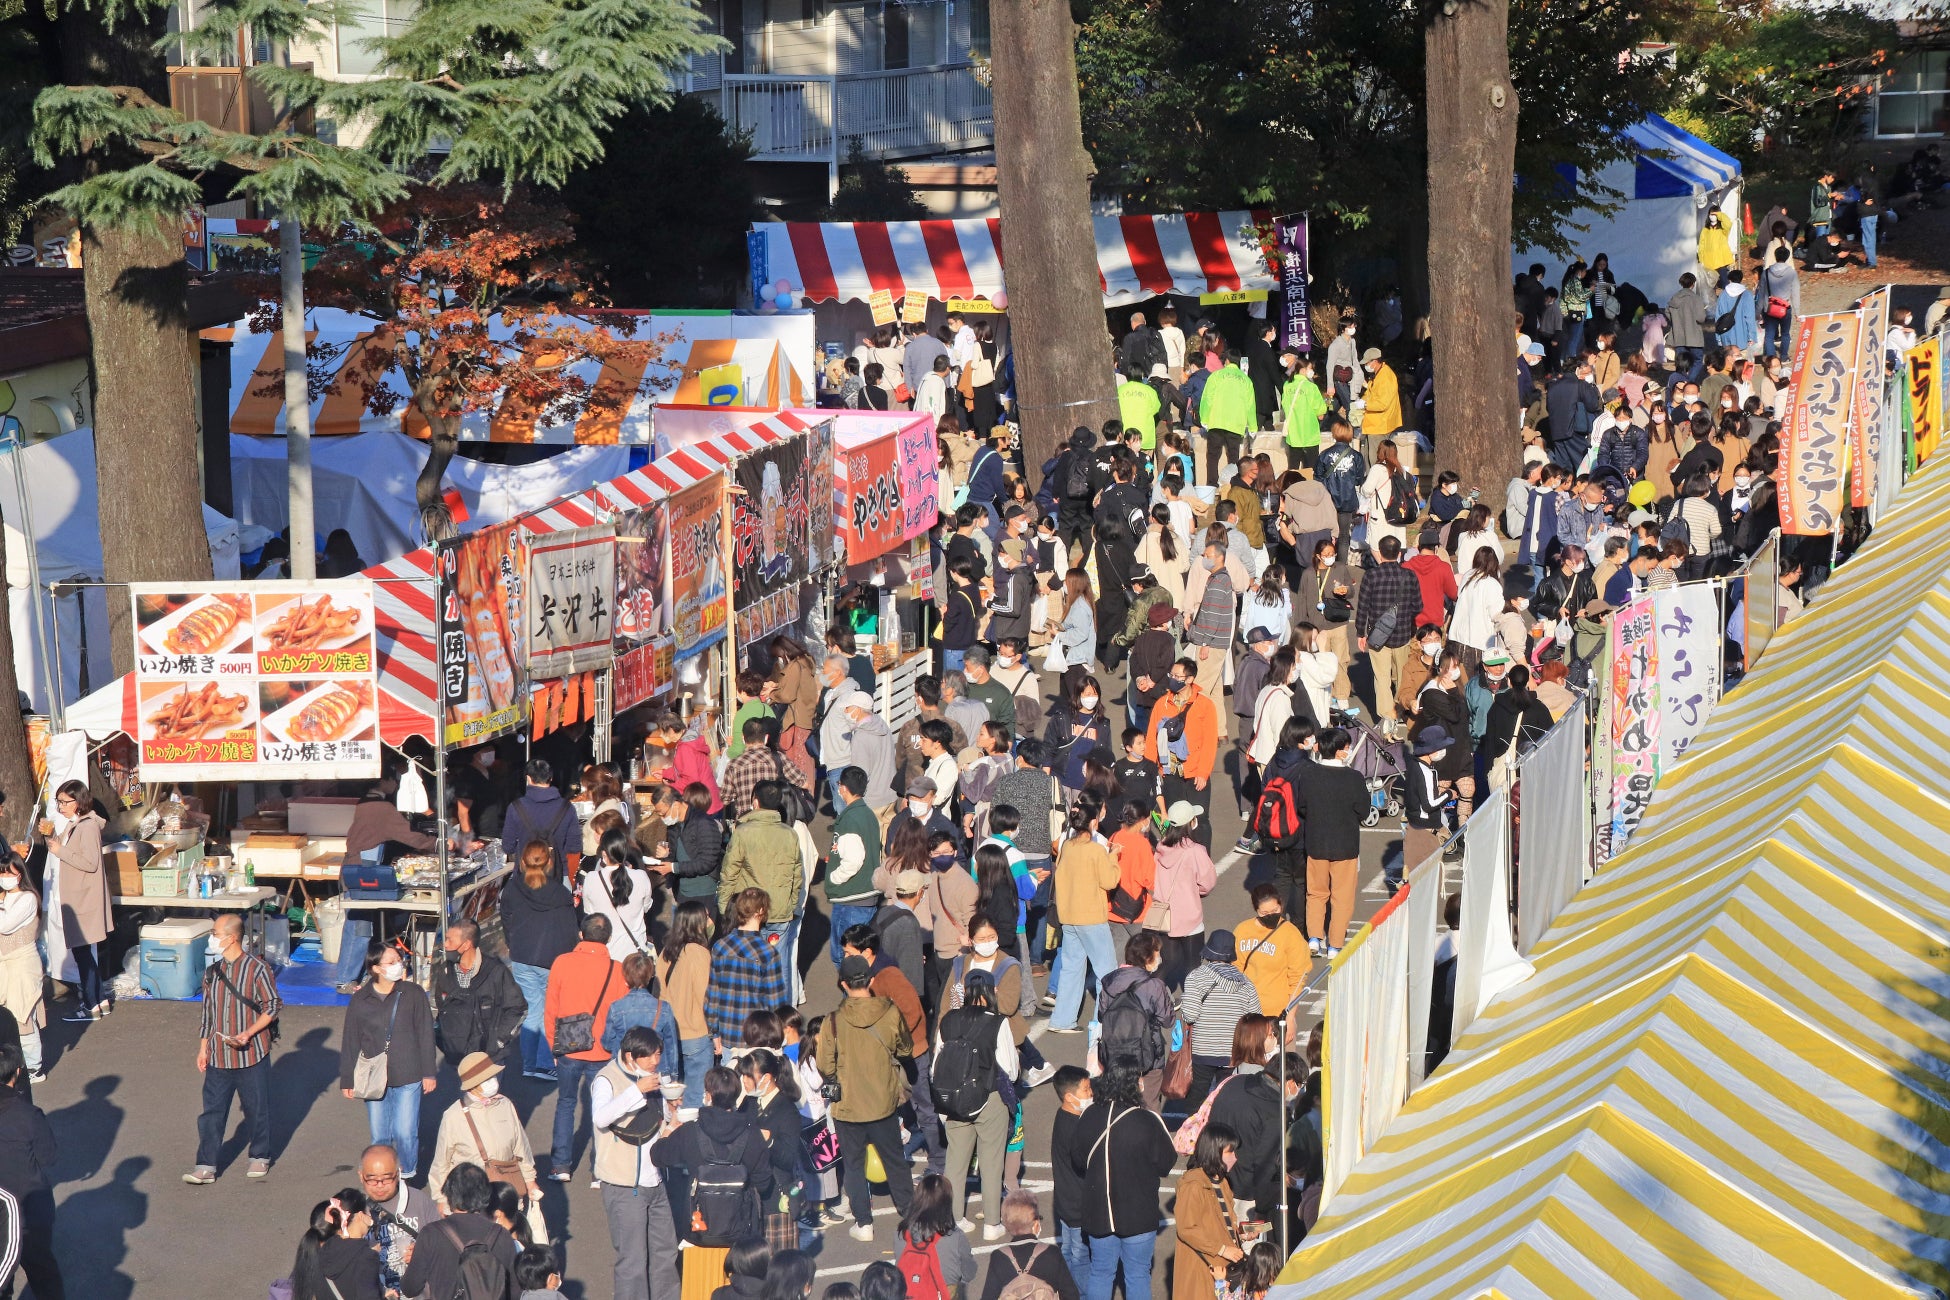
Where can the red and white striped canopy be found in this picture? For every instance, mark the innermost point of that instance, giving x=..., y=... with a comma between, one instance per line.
x=1137, y=257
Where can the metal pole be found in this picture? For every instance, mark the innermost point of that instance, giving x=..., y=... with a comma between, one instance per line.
x=16, y=437
x=297, y=400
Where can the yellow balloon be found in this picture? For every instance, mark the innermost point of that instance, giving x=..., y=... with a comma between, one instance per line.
x=876, y=1172
x=1642, y=493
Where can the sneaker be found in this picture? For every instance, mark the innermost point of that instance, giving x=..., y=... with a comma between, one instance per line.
x=1039, y=1076
x=560, y=1176
x=967, y=1227
x=832, y=1218
x=595, y=1184
x=1047, y=1002
x=1246, y=843
x=81, y=1016
x=261, y=1168
x=37, y=1076
x=1072, y=1029
x=546, y=1076
x=861, y=1232
x=1332, y=953
x=1316, y=947
x=994, y=1232
x=201, y=1176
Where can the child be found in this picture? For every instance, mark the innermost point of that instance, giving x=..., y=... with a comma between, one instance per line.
x=1069, y=1197
x=1138, y=775
x=536, y=1276
x=752, y=703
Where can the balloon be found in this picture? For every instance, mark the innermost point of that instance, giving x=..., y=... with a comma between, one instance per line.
x=1000, y=300
x=783, y=286
x=766, y=293
x=767, y=307
x=788, y=300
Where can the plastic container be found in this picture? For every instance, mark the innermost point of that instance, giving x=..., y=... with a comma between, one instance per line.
x=173, y=953
x=329, y=916
x=277, y=941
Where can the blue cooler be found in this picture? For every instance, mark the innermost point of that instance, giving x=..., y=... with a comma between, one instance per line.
x=173, y=956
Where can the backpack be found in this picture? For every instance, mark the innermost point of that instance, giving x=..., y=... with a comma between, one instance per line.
x=1676, y=529
x=479, y=1273
x=1076, y=480
x=920, y=1268
x=1402, y=505
x=1128, y=1029
x=1276, y=817
x=799, y=805
x=1025, y=1285
x=963, y=1072
x=724, y=1205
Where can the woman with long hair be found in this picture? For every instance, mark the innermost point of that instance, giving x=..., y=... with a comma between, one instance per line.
x=620, y=889
x=538, y=919
x=390, y=1018
x=1076, y=635
x=985, y=1134
x=1077, y=725
x=1662, y=449
x=84, y=892
x=1086, y=872
x=1730, y=436
x=1386, y=480
x=816, y=1130
x=1269, y=605
x=769, y=1081
x=1252, y=1104
x=1518, y=720
x=1208, y=1231
x=987, y=364
x=23, y=976
x=796, y=697
x=684, y=972
x=693, y=844
x=1478, y=601
x=1477, y=530
x=335, y=1261
x=1702, y=519
x=1442, y=704
x=1271, y=710
x=1316, y=669
x=929, y=1227
x=1182, y=875
x=1164, y=554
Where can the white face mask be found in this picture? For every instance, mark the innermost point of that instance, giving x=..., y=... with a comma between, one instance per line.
x=216, y=945
x=920, y=808
x=1438, y=756
x=1431, y=650
x=1087, y=701
x=489, y=1089
x=1740, y=485
x=392, y=972
x=985, y=947
x=1455, y=674
x=1005, y=661
x=9, y=882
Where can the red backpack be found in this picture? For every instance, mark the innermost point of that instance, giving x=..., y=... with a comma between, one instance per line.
x=920, y=1268
x=1276, y=818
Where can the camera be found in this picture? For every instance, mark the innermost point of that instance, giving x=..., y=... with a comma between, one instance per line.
x=830, y=1090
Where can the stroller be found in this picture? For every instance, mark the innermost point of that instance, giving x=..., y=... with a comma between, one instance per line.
x=1380, y=762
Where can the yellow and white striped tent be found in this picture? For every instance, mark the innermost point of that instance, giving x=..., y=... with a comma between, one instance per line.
x=1730, y=1073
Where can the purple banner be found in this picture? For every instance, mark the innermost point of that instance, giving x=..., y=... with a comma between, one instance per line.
x=1296, y=327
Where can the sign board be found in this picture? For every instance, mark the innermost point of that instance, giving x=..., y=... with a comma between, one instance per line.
x=914, y=307
x=697, y=565
x=571, y=601
x=881, y=301
x=1636, y=714
x=822, y=492
x=1810, y=475
x=1923, y=370
x=483, y=670
x=972, y=306
x=642, y=673
x=769, y=521
x=643, y=609
x=1231, y=296
x=1865, y=430
x=1296, y=324
x=256, y=681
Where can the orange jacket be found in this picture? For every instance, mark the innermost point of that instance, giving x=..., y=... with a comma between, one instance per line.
x=1201, y=733
x=1137, y=869
x=575, y=982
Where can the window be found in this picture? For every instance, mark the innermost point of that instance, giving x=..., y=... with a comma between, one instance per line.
x=1914, y=94
x=812, y=12
x=893, y=19
x=363, y=20
x=978, y=28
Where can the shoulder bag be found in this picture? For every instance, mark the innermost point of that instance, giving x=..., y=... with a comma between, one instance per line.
x=498, y=1171
x=577, y=1033
x=1177, y=1080
x=798, y=804
x=369, y=1072
x=1186, y=1139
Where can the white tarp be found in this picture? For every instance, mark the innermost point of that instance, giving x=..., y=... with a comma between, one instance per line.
x=1687, y=619
x=363, y=483
x=1420, y=917
x=1486, y=960
x=1552, y=842
x=60, y=477
x=1368, y=1044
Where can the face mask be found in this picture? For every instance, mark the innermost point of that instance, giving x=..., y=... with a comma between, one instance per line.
x=1272, y=1050
x=216, y=945
x=1178, y=684
x=392, y=972
x=489, y=1089
x=1271, y=920
x=1087, y=701
x=1326, y=560
x=1522, y=604
x=9, y=882
x=1431, y=650
x=943, y=859
x=986, y=948
x=1455, y=674
x=1006, y=661
x=1740, y=484
x=1209, y=563
x=1438, y=756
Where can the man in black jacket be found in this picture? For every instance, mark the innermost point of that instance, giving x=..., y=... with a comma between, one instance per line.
x=1123, y=1153
x=1067, y=1196
x=542, y=814
x=1120, y=522
x=1332, y=799
x=1422, y=804
x=1025, y=1256
x=435, y=1270
x=476, y=1000
x=27, y=1154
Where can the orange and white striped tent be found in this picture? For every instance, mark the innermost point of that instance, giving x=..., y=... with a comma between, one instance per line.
x=711, y=358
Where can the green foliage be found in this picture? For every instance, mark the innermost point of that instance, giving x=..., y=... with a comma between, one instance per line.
x=872, y=190
x=662, y=216
x=1774, y=77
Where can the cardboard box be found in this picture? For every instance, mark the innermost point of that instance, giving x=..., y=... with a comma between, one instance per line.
x=271, y=855
x=320, y=816
x=126, y=874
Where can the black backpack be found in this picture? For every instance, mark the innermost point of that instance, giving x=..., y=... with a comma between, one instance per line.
x=479, y=1273
x=963, y=1072
x=1076, y=482
x=1402, y=506
x=724, y=1203
x=1130, y=1032
x=799, y=805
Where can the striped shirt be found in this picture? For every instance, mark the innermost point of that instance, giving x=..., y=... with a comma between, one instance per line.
x=225, y=1012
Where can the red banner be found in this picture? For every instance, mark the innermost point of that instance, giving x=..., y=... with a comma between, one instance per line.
x=1812, y=465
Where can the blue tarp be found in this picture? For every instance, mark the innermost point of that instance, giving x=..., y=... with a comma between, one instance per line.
x=1672, y=162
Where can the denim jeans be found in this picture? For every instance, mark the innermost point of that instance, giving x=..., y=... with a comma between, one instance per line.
x=1076, y=1253
x=572, y=1085
x=1776, y=335
x=789, y=959
x=353, y=941
x=1081, y=943
x=846, y=916
x=533, y=983
x=251, y=1085
x=1034, y=925
x=1869, y=238
x=395, y=1120
x=698, y=1057
x=1134, y=1253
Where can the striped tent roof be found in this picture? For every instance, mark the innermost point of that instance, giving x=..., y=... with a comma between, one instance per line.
x=1138, y=257
x=1730, y=1073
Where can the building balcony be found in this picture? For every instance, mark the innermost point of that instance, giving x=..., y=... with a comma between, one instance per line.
x=901, y=113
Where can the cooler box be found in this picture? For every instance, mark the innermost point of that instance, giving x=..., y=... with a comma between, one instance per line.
x=173, y=956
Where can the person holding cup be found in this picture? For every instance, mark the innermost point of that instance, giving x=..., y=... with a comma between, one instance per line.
x=85, y=918
x=630, y=1108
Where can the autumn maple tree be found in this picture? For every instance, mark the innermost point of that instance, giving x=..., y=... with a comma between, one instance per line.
x=477, y=307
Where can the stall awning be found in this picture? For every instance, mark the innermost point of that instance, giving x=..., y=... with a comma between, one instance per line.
x=1137, y=257
x=1673, y=161
x=708, y=358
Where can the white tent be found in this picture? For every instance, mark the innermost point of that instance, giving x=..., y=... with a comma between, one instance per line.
x=1668, y=186
x=60, y=474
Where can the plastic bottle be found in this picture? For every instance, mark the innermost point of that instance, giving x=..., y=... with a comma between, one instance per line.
x=250, y=873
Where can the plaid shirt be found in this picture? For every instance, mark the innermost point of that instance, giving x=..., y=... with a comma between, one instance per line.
x=224, y=1012
x=1386, y=587
x=746, y=976
x=743, y=773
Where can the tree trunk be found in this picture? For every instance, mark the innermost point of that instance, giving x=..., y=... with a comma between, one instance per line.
x=148, y=488
x=443, y=440
x=1049, y=252
x=16, y=770
x=1472, y=124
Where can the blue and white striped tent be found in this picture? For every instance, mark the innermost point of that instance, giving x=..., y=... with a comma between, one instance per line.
x=1666, y=189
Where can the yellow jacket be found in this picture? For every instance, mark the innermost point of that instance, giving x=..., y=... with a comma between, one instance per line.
x=1714, y=250
x=1085, y=875
x=1275, y=960
x=1384, y=413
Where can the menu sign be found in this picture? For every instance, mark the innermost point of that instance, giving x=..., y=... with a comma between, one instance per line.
x=571, y=601
x=697, y=566
x=256, y=680
x=483, y=679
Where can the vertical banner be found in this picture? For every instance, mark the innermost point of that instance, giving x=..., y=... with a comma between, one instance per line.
x=697, y=566
x=571, y=601
x=1601, y=758
x=255, y=681
x=760, y=259
x=769, y=522
x=1865, y=429
x=483, y=677
x=1761, y=601
x=1823, y=384
x=1551, y=845
x=1296, y=325
x=1635, y=717
x=1689, y=631
x=822, y=495
x=643, y=608
x=1923, y=366
x=917, y=461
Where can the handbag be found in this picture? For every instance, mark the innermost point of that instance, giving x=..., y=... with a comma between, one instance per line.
x=1777, y=308
x=1186, y=1139
x=577, y=1033
x=902, y=393
x=1059, y=821
x=1157, y=912
x=369, y=1072
x=498, y=1171
x=798, y=804
x=822, y=1144
x=1177, y=1080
